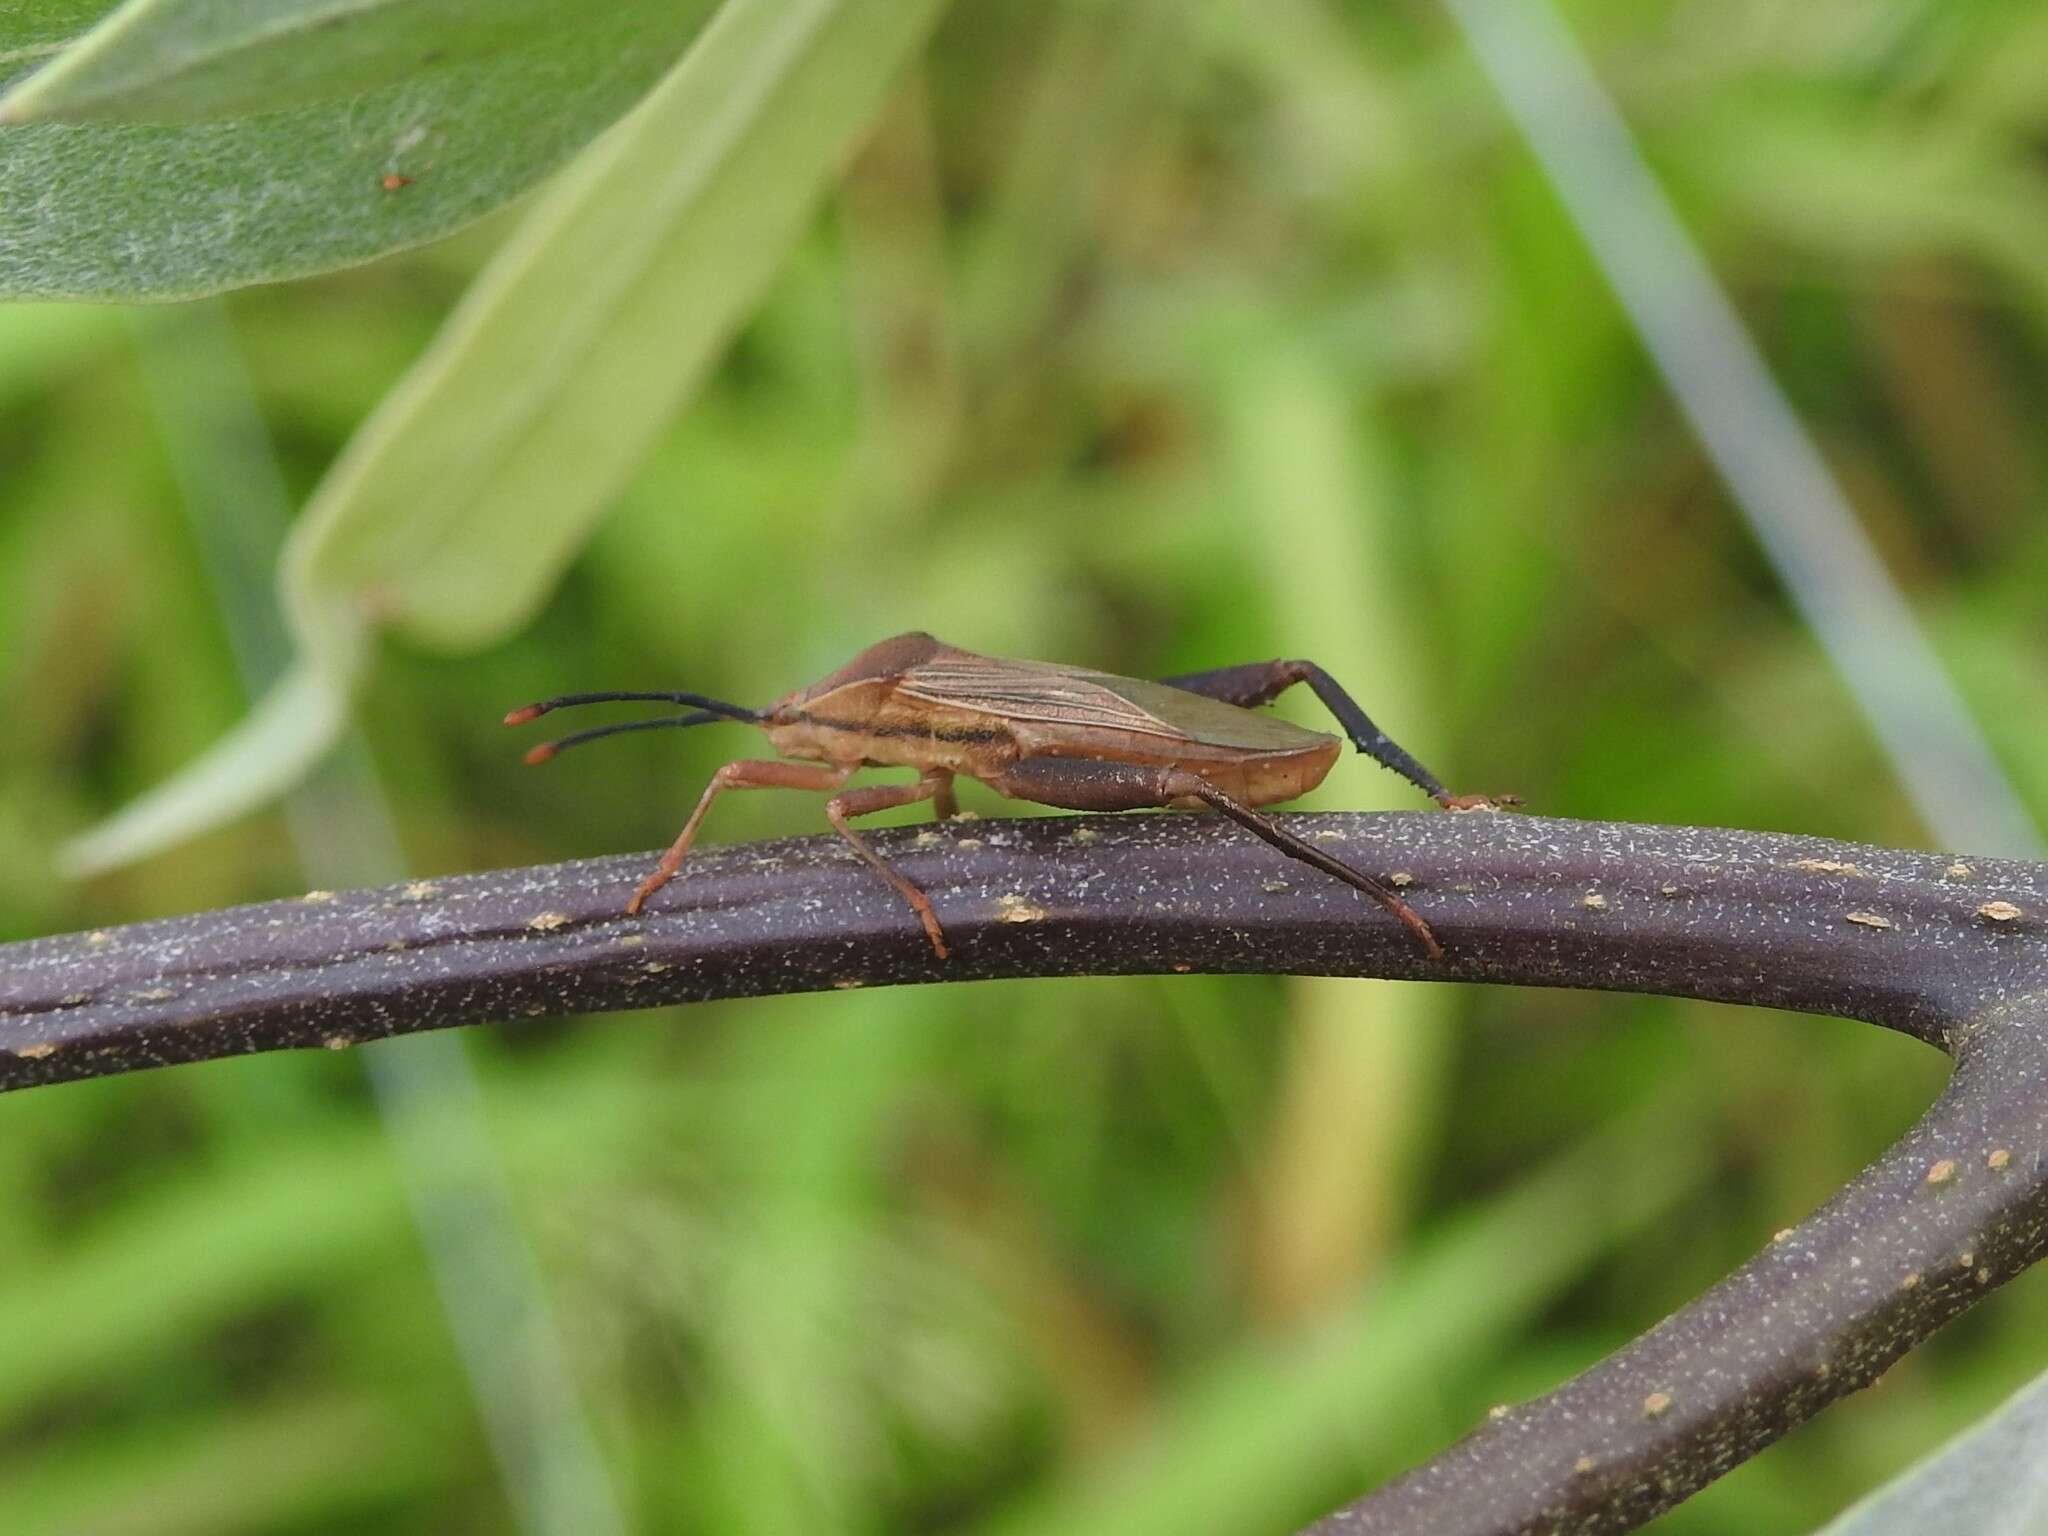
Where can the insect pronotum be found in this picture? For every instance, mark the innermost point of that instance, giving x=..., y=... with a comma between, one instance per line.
x=1032, y=730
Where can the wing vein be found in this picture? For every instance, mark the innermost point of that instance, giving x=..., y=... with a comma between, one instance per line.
x=1030, y=691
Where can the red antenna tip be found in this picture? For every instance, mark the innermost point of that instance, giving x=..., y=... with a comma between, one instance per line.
x=525, y=713
x=543, y=752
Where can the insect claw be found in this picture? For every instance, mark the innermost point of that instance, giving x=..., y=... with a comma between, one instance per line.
x=525, y=713
x=543, y=752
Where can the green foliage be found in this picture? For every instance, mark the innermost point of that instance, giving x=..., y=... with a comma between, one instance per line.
x=458, y=504
x=151, y=170
x=1134, y=334
x=193, y=61
x=1989, y=1480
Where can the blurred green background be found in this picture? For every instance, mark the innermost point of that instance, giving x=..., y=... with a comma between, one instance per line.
x=1145, y=336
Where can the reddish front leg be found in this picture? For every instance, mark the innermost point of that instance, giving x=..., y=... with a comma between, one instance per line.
x=749, y=773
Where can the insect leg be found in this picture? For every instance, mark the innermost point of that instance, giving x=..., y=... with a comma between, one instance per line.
x=748, y=773
x=1085, y=784
x=882, y=797
x=945, y=804
x=1261, y=682
x=1189, y=784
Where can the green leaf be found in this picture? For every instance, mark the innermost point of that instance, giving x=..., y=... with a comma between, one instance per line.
x=455, y=508
x=123, y=210
x=194, y=60
x=1992, y=1480
x=458, y=504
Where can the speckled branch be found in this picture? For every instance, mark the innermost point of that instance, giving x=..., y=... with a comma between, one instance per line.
x=1952, y=952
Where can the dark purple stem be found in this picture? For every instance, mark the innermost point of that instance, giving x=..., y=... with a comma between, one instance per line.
x=1952, y=952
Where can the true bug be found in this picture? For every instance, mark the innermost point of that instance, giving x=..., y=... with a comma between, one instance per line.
x=1031, y=730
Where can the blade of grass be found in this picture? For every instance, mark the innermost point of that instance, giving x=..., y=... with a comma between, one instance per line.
x=493, y=1300
x=1773, y=470
x=1364, y=1056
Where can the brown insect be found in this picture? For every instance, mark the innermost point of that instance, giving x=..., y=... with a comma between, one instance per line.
x=1031, y=730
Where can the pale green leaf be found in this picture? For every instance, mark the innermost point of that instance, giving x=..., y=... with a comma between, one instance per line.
x=192, y=60
x=112, y=210
x=1991, y=1481
x=458, y=504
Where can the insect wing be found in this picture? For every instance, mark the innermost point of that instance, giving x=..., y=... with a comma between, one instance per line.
x=1033, y=691
x=1192, y=717
x=1041, y=692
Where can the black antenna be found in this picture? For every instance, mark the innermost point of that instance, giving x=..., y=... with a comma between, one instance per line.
x=694, y=700
x=548, y=749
